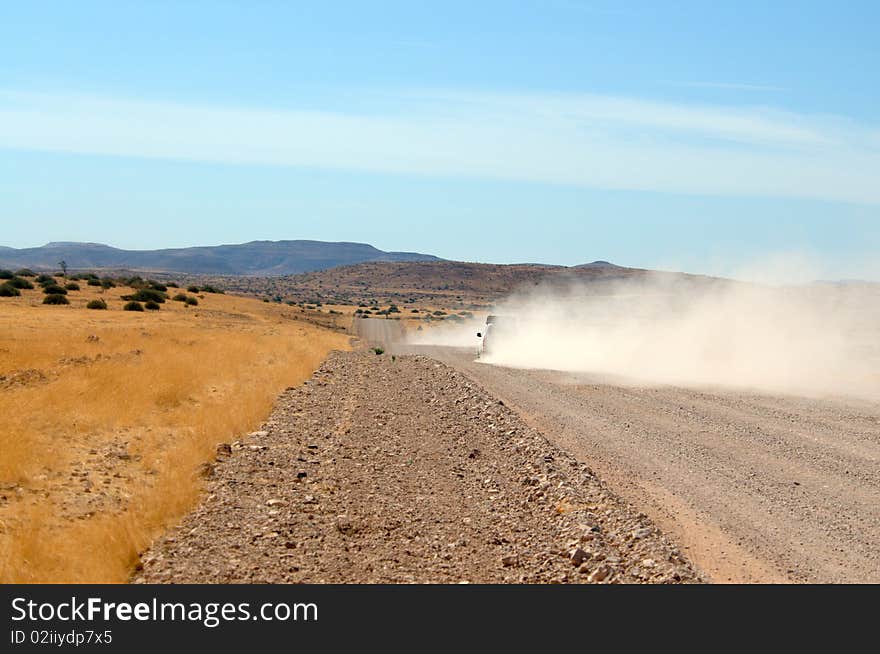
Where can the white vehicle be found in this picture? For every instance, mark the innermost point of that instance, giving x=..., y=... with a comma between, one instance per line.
x=489, y=336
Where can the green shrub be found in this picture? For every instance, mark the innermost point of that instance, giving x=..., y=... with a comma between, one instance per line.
x=152, y=306
x=192, y=289
x=26, y=272
x=379, y=350
x=192, y=302
x=96, y=304
x=157, y=286
x=94, y=282
x=8, y=290
x=210, y=289
x=133, y=306
x=55, y=298
x=107, y=283
x=20, y=282
x=6, y=274
x=54, y=289
x=45, y=279
x=172, y=285
x=146, y=295
x=180, y=297
x=71, y=286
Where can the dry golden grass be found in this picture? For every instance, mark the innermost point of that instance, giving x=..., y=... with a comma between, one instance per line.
x=106, y=416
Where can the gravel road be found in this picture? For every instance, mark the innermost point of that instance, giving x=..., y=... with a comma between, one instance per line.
x=397, y=470
x=755, y=488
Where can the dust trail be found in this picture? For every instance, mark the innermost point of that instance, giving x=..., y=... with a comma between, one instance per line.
x=810, y=339
x=448, y=334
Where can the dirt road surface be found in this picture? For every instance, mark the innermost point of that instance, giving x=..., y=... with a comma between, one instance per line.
x=378, y=332
x=403, y=470
x=755, y=488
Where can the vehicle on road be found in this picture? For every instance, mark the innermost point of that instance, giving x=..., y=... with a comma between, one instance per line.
x=495, y=326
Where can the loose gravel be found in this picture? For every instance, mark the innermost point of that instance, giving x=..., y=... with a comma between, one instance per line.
x=386, y=469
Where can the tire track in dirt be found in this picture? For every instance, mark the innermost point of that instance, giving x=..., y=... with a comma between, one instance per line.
x=755, y=487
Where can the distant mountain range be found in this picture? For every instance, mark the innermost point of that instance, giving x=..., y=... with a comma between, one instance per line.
x=254, y=258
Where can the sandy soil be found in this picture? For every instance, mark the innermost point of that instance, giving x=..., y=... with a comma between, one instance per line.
x=756, y=488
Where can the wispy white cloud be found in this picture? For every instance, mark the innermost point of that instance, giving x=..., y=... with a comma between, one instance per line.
x=583, y=140
x=731, y=86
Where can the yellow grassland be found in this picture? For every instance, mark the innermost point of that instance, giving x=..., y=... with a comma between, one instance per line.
x=107, y=416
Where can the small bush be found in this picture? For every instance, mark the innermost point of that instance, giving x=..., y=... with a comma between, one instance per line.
x=71, y=286
x=94, y=282
x=45, y=279
x=54, y=289
x=192, y=289
x=172, y=285
x=152, y=306
x=379, y=350
x=192, y=302
x=107, y=283
x=180, y=297
x=146, y=295
x=157, y=286
x=8, y=290
x=20, y=282
x=55, y=298
x=26, y=272
x=96, y=304
x=210, y=289
x=6, y=274
x=133, y=306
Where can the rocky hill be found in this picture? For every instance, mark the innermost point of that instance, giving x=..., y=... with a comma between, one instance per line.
x=266, y=258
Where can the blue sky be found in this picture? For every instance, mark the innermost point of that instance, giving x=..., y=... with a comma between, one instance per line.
x=682, y=135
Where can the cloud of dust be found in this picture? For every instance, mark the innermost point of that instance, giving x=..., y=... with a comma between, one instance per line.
x=817, y=339
x=448, y=333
